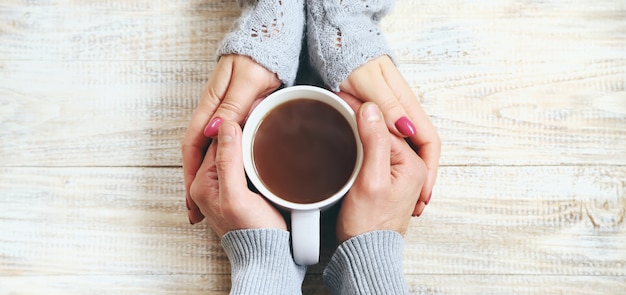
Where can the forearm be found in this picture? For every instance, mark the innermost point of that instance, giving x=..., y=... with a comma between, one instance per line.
x=261, y=262
x=343, y=35
x=370, y=263
x=270, y=32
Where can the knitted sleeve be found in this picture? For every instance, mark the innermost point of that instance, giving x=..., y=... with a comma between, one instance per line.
x=261, y=262
x=270, y=32
x=370, y=263
x=342, y=35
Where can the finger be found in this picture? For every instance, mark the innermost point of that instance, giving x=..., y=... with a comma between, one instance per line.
x=407, y=165
x=195, y=215
x=351, y=100
x=204, y=173
x=193, y=149
x=375, y=170
x=229, y=161
x=249, y=82
x=419, y=208
x=192, y=158
x=195, y=144
x=368, y=84
x=425, y=138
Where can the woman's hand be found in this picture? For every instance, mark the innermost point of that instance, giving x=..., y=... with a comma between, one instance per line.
x=221, y=192
x=385, y=192
x=233, y=87
x=379, y=81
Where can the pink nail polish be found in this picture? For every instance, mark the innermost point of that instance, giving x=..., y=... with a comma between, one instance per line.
x=428, y=200
x=212, y=127
x=187, y=203
x=405, y=126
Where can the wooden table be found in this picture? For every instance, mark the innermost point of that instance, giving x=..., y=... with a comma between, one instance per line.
x=529, y=98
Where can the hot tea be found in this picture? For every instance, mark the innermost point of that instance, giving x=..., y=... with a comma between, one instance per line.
x=304, y=151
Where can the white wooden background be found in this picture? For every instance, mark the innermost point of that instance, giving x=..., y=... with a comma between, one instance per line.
x=529, y=98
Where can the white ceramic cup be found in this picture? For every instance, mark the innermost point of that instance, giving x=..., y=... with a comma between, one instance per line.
x=305, y=218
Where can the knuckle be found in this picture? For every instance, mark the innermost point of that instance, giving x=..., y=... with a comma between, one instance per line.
x=223, y=163
x=199, y=194
x=186, y=147
x=375, y=143
x=391, y=104
x=379, y=138
x=374, y=187
x=229, y=110
x=210, y=96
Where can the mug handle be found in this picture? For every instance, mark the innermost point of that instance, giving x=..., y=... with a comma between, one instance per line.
x=305, y=236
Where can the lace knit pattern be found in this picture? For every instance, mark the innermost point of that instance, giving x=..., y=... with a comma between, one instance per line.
x=343, y=35
x=270, y=32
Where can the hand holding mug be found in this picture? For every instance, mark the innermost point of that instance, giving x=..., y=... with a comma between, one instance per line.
x=388, y=185
x=220, y=189
x=379, y=81
x=236, y=82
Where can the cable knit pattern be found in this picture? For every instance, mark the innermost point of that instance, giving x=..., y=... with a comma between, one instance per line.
x=370, y=263
x=342, y=35
x=270, y=32
x=261, y=262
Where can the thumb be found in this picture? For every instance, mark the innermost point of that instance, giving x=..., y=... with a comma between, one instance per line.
x=228, y=160
x=376, y=146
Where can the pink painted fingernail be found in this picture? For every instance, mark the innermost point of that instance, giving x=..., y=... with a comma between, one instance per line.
x=429, y=196
x=212, y=127
x=187, y=203
x=405, y=126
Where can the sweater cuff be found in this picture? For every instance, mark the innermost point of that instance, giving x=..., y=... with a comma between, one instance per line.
x=344, y=35
x=261, y=262
x=270, y=32
x=370, y=263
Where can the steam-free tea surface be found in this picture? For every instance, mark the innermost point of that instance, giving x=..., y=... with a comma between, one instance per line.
x=304, y=151
x=529, y=98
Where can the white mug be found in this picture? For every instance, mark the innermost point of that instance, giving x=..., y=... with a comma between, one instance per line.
x=305, y=218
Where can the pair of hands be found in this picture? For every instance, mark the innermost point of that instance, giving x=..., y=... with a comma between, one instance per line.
x=238, y=82
x=382, y=197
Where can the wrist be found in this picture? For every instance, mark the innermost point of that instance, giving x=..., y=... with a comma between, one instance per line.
x=343, y=35
x=375, y=258
x=270, y=32
x=261, y=262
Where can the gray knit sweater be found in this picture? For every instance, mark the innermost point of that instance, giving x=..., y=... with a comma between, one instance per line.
x=261, y=263
x=270, y=32
x=341, y=35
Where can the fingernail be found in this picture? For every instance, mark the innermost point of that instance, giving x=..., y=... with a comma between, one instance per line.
x=190, y=222
x=405, y=126
x=212, y=127
x=187, y=203
x=227, y=132
x=371, y=113
x=429, y=196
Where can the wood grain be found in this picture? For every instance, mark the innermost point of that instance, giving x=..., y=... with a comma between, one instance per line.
x=84, y=111
x=505, y=84
x=115, y=221
x=529, y=98
x=220, y=284
x=114, y=30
